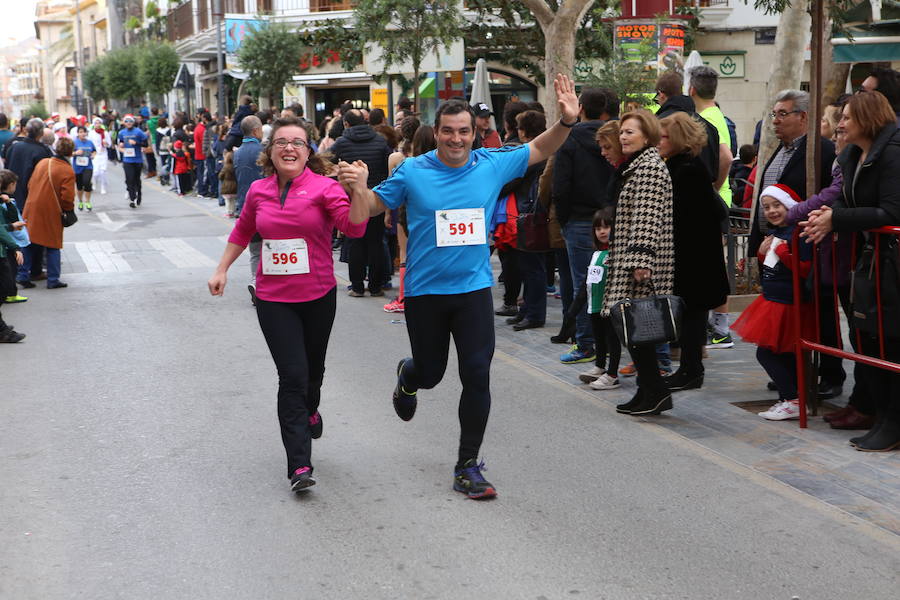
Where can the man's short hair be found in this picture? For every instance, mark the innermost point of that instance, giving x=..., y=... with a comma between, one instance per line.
x=404, y=103
x=35, y=129
x=535, y=105
x=345, y=107
x=595, y=102
x=354, y=117
x=670, y=83
x=798, y=97
x=705, y=81
x=888, y=85
x=747, y=153
x=295, y=108
x=205, y=116
x=4, y=121
x=264, y=116
x=453, y=107
x=249, y=124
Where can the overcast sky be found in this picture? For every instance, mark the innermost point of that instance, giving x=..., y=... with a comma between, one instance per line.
x=16, y=20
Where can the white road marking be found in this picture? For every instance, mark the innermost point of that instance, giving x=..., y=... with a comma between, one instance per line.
x=101, y=257
x=180, y=253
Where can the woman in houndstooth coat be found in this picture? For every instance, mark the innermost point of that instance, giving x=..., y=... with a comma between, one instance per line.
x=642, y=249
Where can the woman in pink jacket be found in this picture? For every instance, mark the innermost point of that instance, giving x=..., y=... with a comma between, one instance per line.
x=294, y=210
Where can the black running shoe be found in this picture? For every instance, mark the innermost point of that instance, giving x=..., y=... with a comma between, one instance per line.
x=302, y=479
x=131, y=204
x=469, y=481
x=404, y=402
x=315, y=426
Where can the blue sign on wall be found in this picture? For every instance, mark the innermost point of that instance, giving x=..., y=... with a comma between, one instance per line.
x=237, y=29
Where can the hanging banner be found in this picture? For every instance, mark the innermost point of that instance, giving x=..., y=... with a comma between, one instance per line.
x=659, y=44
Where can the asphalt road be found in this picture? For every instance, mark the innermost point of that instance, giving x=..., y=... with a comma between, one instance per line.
x=141, y=459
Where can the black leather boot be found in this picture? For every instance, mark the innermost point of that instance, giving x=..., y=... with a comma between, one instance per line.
x=626, y=408
x=653, y=404
x=884, y=439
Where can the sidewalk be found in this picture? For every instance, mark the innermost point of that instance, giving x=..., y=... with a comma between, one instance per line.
x=817, y=460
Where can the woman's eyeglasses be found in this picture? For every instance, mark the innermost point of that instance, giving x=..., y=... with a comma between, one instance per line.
x=296, y=143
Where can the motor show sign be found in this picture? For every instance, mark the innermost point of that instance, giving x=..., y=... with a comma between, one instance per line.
x=659, y=43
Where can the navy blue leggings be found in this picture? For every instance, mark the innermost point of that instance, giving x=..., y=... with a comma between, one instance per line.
x=782, y=368
x=469, y=318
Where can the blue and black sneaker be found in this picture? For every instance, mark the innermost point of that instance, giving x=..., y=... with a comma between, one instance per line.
x=577, y=355
x=468, y=480
x=404, y=402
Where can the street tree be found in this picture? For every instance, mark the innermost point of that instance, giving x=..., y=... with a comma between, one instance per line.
x=559, y=22
x=94, y=83
x=409, y=30
x=120, y=74
x=157, y=64
x=271, y=56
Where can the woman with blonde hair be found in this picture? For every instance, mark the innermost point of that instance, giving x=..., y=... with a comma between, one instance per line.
x=697, y=214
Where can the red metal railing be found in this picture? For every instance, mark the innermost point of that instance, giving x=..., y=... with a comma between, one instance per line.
x=804, y=346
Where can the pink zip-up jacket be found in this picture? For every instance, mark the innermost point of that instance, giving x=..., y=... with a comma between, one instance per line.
x=313, y=206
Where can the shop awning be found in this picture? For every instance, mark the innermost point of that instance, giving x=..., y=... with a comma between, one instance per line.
x=877, y=42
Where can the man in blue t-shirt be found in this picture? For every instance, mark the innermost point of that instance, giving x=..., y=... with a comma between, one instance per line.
x=450, y=195
x=131, y=142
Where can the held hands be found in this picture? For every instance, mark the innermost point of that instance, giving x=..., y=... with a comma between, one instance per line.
x=818, y=225
x=216, y=284
x=18, y=225
x=566, y=99
x=353, y=177
x=20, y=258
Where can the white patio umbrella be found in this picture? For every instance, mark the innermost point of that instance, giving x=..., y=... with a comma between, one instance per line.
x=481, y=88
x=693, y=60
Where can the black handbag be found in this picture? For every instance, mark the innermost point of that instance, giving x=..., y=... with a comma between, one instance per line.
x=864, y=289
x=655, y=319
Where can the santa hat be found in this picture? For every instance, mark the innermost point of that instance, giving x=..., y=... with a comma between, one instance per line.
x=178, y=145
x=783, y=194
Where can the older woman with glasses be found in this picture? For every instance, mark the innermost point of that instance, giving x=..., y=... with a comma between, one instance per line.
x=294, y=209
x=871, y=199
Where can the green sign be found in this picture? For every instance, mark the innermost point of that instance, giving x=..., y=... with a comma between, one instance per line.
x=726, y=64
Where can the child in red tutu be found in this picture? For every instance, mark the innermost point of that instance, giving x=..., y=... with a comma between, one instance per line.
x=769, y=321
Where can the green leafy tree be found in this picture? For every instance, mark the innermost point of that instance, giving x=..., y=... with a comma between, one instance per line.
x=271, y=56
x=506, y=31
x=157, y=65
x=631, y=80
x=36, y=109
x=324, y=36
x=409, y=30
x=94, y=83
x=120, y=73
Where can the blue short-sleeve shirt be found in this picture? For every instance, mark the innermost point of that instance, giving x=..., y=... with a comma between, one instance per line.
x=426, y=185
x=88, y=147
x=132, y=139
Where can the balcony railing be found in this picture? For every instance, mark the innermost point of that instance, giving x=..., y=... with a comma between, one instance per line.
x=703, y=3
x=180, y=21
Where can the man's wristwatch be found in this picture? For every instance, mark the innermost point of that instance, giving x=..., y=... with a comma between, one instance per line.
x=569, y=125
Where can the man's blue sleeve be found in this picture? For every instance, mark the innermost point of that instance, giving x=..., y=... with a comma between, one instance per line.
x=392, y=190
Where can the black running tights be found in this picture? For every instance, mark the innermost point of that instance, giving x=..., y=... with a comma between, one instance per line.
x=297, y=334
x=469, y=318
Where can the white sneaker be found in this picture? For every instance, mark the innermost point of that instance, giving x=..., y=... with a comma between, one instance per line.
x=605, y=382
x=782, y=411
x=592, y=375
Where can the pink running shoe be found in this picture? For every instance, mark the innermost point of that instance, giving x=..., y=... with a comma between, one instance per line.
x=395, y=306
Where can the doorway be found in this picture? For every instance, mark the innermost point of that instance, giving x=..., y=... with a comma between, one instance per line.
x=327, y=99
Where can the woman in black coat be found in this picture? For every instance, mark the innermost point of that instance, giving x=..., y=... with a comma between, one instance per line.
x=871, y=168
x=697, y=213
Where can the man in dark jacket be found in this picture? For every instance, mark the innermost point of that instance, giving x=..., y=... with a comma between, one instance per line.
x=580, y=178
x=360, y=142
x=246, y=171
x=787, y=166
x=21, y=159
x=671, y=100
